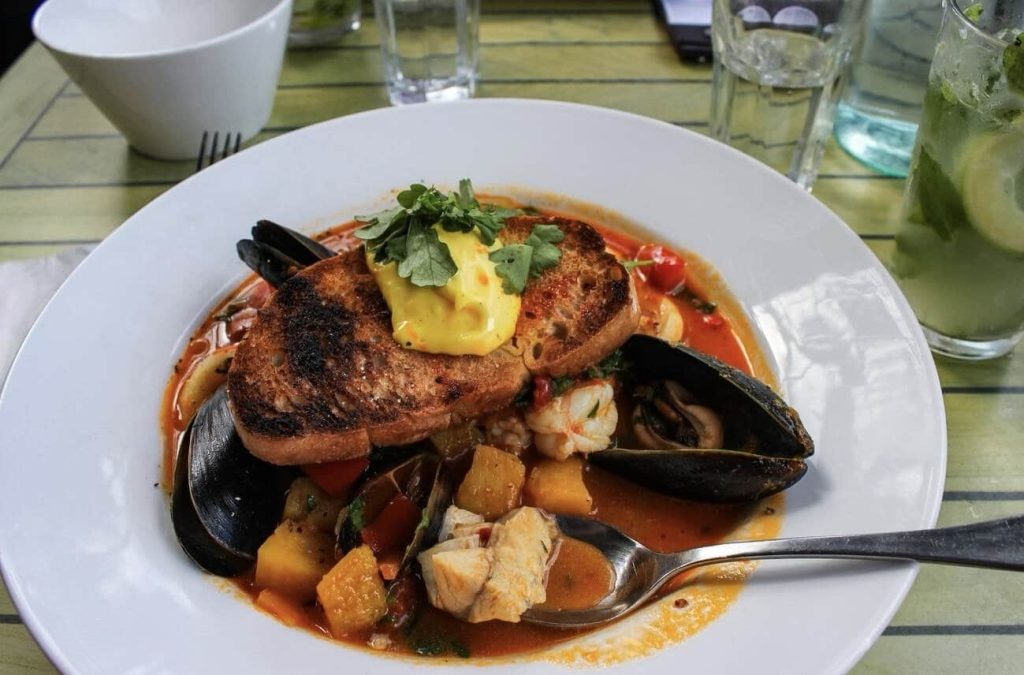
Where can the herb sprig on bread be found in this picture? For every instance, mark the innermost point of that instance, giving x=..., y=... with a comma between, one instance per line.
x=406, y=236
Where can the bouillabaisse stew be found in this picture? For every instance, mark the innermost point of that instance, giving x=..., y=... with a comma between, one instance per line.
x=436, y=547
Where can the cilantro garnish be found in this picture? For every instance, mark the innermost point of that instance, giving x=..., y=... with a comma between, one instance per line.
x=355, y=513
x=1013, y=63
x=562, y=384
x=517, y=263
x=631, y=264
x=406, y=235
x=609, y=365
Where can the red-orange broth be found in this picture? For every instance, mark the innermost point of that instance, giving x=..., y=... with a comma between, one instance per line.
x=661, y=522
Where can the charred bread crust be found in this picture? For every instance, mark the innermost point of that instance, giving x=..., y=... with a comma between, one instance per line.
x=320, y=378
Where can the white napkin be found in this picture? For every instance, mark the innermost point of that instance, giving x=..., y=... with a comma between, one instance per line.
x=25, y=288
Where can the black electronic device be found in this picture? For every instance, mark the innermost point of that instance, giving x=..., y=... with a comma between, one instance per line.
x=689, y=27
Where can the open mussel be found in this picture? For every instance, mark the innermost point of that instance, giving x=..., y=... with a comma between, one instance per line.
x=419, y=484
x=704, y=430
x=276, y=252
x=225, y=501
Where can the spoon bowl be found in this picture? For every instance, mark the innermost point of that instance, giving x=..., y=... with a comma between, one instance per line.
x=639, y=572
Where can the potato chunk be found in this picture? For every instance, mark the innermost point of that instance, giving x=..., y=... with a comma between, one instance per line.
x=352, y=593
x=494, y=484
x=558, y=487
x=293, y=559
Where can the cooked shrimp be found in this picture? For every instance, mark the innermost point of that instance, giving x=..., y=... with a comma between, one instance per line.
x=581, y=420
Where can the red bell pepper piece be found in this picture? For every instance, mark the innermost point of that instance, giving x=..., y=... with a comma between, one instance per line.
x=392, y=530
x=335, y=478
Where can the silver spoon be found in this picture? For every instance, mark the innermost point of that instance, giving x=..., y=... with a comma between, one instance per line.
x=639, y=572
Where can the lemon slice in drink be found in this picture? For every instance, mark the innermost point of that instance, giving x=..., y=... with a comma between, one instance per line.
x=993, y=187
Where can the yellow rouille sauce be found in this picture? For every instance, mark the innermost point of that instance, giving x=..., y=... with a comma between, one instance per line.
x=471, y=314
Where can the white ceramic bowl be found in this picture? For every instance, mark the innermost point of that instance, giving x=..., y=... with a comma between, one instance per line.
x=165, y=71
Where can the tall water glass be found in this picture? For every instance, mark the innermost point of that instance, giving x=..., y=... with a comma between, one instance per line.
x=877, y=118
x=959, y=255
x=777, y=68
x=429, y=47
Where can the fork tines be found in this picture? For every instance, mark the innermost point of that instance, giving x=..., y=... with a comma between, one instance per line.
x=216, y=151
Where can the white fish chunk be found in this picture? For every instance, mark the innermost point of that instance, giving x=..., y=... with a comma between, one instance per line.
x=455, y=517
x=523, y=542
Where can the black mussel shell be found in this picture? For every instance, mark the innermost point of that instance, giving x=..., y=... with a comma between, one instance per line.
x=276, y=252
x=225, y=501
x=764, y=443
x=750, y=409
x=704, y=475
x=297, y=246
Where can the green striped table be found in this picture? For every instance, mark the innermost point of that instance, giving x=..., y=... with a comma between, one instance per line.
x=67, y=177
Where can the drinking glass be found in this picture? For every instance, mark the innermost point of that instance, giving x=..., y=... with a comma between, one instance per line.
x=319, y=22
x=876, y=121
x=777, y=68
x=959, y=254
x=429, y=47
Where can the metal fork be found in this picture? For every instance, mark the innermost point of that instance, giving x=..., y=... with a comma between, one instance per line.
x=232, y=142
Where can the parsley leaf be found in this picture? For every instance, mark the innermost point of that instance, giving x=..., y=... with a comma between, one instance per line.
x=405, y=235
x=427, y=262
x=512, y=264
x=518, y=263
x=562, y=384
x=355, y=513
x=631, y=264
x=609, y=365
x=545, y=254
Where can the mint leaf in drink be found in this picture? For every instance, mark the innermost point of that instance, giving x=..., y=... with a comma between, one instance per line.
x=939, y=198
x=974, y=12
x=1013, y=64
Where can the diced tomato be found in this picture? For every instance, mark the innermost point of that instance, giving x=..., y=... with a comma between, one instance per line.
x=392, y=530
x=667, y=273
x=335, y=478
x=541, y=391
x=388, y=566
x=712, y=320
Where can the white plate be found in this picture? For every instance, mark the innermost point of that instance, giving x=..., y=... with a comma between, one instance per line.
x=88, y=552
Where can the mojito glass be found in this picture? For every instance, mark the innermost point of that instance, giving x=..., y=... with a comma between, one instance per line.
x=959, y=255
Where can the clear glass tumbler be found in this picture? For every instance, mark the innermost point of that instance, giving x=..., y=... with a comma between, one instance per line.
x=320, y=22
x=777, y=68
x=429, y=48
x=876, y=121
x=959, y=255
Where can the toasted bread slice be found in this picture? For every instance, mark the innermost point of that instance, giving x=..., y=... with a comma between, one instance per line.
x=319, y=376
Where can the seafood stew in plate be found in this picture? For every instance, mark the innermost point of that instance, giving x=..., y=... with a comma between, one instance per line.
x=412, y=517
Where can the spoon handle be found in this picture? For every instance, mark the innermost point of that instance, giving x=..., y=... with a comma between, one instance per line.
x=994, y=543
